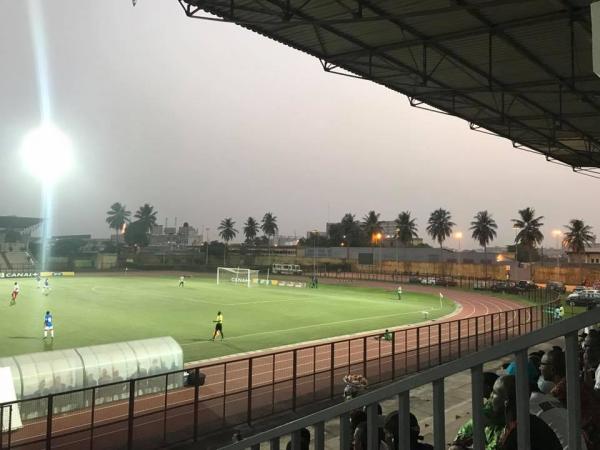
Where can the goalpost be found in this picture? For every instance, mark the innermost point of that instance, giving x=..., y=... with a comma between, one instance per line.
x=236, y=275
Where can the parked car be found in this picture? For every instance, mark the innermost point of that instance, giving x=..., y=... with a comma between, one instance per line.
x=445, y=281
x=482, y=285
x=414, y=279
x=584, y=298
x=556, y=286
x=579, y=288
x=527, y=285
x=508, y=287
x=428, y=280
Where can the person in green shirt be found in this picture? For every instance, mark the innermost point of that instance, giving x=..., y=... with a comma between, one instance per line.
x=493, y=416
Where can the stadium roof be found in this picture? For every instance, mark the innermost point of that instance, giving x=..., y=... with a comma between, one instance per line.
x=18, y=223
x=520, y=69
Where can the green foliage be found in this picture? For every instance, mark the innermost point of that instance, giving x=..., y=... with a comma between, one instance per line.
x=146, y=216
x=250, y=229
x=578, y=236
x=269, y=225
x=371, y=225
x=406, y=228
x=440, y=225
x=483, y=228
x=136, y=234
x=117, y=216
x=529, y=235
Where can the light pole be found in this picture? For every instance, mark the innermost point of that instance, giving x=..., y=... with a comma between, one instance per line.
x=315, y=233
x=397, y=244
x=557, y=234
x=379, y=236
x=207, y=245
x=516, y=228
x=458, y=236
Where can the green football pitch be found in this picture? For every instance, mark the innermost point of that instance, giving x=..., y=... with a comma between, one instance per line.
x=91, y=310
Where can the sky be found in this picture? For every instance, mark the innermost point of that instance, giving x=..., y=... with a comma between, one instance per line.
x=208, y=120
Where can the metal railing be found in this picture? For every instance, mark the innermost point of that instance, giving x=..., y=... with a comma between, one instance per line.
x=400, y=390
x=155, y=410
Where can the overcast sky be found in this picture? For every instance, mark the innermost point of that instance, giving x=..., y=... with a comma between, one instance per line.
x=208, y=120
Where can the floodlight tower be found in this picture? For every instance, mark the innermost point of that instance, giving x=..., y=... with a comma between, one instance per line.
x=47, y=153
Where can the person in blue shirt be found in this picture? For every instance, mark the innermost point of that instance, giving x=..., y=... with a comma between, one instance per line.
x=48, y=325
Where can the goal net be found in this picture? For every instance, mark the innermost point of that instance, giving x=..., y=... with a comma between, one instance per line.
x=236, y=275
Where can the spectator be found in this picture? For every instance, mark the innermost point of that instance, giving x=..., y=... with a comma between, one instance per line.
x=590, y=404
x=541, y=435
x=552, y=369
x=304, y=440
x=356, y=418
x=390, y=429
x=493, y=411
x=532, y=373
x=359, y=441
x=489, y=378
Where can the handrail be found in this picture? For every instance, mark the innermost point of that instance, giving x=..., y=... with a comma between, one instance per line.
x=550, y=332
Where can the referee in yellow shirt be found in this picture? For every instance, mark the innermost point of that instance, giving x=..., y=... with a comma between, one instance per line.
x=218, y=326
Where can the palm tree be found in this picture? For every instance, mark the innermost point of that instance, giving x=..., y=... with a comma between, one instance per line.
x=371, y=225
x=483, y=229
x=440, y=226
x=578, y=237
x=250, y=229
x=227, y=233
x=350, y=228
x=117, y=217
x=269, y=228
x=529, y=235
x=406, y=228
x=146, y=216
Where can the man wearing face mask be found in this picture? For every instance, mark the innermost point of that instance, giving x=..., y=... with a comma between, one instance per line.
x=547, y=407
x=590, y=399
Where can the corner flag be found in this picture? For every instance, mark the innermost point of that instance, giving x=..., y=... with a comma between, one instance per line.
x=441, y=299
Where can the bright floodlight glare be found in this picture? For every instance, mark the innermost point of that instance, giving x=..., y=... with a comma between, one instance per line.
x=47, y=153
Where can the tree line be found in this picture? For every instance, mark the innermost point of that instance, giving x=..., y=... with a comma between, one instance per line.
x=368, y=231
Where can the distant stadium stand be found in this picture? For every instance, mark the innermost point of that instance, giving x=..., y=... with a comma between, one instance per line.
x=15, y=235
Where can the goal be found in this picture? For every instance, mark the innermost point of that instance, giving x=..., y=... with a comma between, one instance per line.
x=236, y=275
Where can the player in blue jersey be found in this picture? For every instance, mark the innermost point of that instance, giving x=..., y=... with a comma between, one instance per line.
x=48, y=325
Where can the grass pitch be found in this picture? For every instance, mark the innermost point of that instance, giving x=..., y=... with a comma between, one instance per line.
x=101, y=309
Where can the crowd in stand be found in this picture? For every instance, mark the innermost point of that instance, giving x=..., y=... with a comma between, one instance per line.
x=548, y=417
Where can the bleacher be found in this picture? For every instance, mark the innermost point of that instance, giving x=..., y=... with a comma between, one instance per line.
x=18, y=260
x=4, y=264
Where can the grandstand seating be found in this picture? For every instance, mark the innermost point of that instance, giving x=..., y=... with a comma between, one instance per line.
x=18, y=260
x=4, y=264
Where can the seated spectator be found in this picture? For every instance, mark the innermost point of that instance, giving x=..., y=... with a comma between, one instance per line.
x=392, y=440
x=552, y=370
x=356, y=418
x=386, y=336
x=541, y=435
x=489, y=378
x=590, y=403
x=532, y=373
x=359, y=441
x=494, y=418
x=304, y=440
x=547, y=408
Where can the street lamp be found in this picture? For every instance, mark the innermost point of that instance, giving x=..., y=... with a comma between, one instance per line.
x=557, y=234
x=315, y=233
x=207, y=245
x=458, y=236
x=516, y=228
x=48, y=154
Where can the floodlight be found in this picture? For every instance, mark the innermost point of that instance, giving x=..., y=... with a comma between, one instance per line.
x=47, y=153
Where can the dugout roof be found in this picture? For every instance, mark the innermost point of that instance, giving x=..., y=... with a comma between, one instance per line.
x=520, y=69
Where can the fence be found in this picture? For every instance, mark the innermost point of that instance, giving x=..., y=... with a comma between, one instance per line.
x=537, y=295
x=400, y=391
x=147, y=412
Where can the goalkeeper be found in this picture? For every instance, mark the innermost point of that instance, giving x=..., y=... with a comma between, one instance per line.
x=218, y=326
